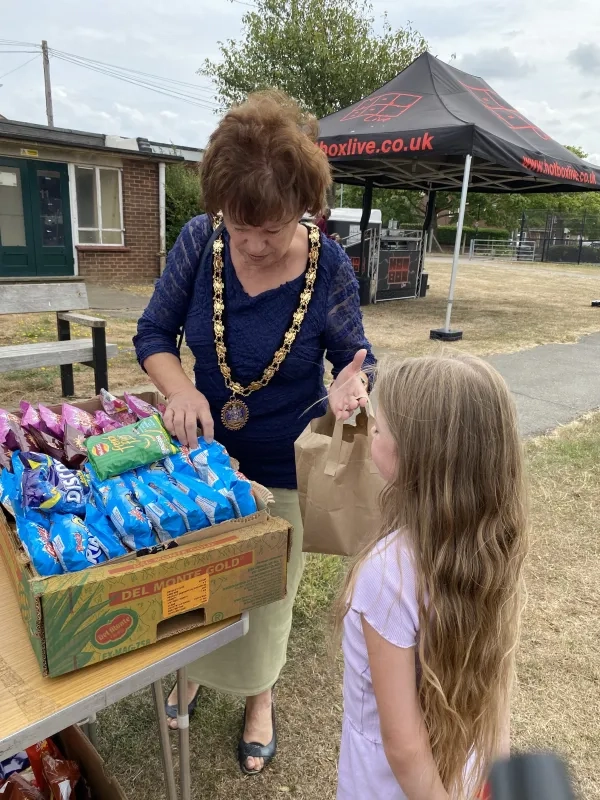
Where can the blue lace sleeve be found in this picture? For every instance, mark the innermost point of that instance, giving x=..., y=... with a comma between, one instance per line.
x=161, y=322
x=345, y=334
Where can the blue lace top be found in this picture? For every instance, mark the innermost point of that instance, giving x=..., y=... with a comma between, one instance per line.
x=254, y=330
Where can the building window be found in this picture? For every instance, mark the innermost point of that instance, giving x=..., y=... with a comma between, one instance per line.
x=99, y=205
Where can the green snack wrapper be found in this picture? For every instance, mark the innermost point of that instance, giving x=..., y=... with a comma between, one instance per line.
x=130, y=447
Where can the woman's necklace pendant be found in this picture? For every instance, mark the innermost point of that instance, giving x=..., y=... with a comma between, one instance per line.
x=234, y=414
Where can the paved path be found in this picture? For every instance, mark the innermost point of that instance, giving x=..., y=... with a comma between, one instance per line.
x=552, y=384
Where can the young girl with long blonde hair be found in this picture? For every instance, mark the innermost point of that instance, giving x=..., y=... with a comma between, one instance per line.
x=430, y=609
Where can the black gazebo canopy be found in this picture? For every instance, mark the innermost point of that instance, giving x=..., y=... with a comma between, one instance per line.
x=415, y=132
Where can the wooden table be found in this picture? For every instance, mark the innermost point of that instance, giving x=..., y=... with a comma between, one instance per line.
x=33, y=707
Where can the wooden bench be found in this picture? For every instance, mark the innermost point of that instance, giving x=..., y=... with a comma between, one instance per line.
x=64, y=297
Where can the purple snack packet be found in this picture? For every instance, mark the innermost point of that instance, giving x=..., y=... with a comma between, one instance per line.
x=20, y=437
x=75, y=450
x=5, y=458
x=140, y=407
x=45, y=443
x=31, y=419
x=51, y=422
x=106, y=423
x=80, y=420
x=7, y=421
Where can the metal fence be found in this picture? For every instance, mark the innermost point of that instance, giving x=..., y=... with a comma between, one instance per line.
x=507, y=250
x=571, y=251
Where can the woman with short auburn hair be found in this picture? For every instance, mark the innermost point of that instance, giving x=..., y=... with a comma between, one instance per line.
x=262, y=298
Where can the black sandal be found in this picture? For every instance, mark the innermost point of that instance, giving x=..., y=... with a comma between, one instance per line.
x=256, y=750
x=171, y=711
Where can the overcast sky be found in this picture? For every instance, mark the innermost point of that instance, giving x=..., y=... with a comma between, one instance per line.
x=544, y=58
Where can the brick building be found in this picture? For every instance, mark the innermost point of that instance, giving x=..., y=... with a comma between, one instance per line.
x=74, y=203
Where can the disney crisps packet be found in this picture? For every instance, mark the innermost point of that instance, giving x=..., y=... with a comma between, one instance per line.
x=129, y=447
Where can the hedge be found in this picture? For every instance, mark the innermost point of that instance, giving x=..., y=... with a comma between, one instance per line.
x=446, y=234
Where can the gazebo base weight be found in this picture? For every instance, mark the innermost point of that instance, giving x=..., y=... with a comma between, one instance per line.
x=442, y=335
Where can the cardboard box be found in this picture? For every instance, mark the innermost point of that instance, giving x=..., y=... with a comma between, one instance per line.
x=77, y=747
x=82, y=618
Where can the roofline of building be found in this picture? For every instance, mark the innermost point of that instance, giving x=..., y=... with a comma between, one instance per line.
x=65, y=137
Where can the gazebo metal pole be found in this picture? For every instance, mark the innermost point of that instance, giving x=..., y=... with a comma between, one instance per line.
x=445, y=334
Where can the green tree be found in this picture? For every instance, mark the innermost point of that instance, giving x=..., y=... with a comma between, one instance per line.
x=182, y=199
x=326, y=54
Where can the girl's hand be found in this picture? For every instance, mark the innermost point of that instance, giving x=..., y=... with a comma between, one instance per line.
x=348, y=391
x=185, y=409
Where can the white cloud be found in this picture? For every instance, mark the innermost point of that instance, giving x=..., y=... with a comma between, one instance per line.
x=586, y=58
x=496, y=63
x=134, y=114
x=169, y=115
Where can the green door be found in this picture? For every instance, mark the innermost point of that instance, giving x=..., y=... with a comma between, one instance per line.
x=36, y=234
x=17, y=249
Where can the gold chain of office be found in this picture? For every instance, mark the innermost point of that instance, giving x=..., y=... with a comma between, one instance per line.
x=235, y=412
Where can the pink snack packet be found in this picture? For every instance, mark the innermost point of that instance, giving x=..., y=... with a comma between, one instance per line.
x=111, y=404
x=106, y=423
x=51, y=422
x=31, y=417
x=79, y=419
x=139, y=407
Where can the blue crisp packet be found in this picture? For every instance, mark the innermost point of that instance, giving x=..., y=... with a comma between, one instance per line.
x=126, y=515
x=35, y=538
x=239, y=491
x=213, y=453
x=10, y=493
x=193, y=516
x=215, y=504
x=76, y=547
x=166, y=520
x=180, y=463
x=49, y=486
x=102, y=528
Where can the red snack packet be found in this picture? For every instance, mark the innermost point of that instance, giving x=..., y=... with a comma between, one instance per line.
x=139, y=407
x=51, y=422
x=35, y=753
x=6, y=790
x=75, y=450
x=106, y=423
x=81, y=420
x=30, y=418
x=22, y=790
x=61, y=775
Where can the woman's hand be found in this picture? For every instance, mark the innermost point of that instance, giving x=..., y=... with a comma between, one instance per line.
x=185, y=409
x=348, y=391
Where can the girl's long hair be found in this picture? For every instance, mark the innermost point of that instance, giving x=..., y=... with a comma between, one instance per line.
x=460, y=499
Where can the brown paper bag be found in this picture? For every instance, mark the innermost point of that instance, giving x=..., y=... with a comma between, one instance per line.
x=338, y=485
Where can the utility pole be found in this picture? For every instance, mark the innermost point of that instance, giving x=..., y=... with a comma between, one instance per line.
x=47, y=84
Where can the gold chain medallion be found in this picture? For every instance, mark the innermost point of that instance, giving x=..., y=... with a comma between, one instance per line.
x=235, y=413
